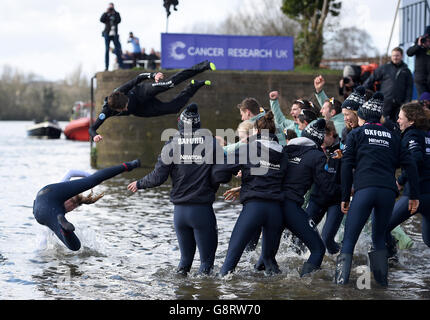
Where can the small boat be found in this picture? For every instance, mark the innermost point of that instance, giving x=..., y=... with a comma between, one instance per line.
x=45, y=130
x=77, y=129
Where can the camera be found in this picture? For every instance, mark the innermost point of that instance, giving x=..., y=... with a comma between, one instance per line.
x=346, y=80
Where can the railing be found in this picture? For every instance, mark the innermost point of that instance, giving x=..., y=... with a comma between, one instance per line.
x=142, y=63
x=414, y=18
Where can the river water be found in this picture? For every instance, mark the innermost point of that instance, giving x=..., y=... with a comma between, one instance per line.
x=129, y=248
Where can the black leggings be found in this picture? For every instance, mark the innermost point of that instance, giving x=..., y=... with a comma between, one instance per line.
x=153, y=107
x=255, y=216
x=401, y=214
x=50, y=200
x=195, y=224
x=381, y=200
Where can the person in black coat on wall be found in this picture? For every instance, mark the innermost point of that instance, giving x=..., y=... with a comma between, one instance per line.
x=396, y=84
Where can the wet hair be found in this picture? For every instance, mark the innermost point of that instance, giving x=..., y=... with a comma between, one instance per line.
x=415, y=112
x=117, y=101
x=290, y=134
x=266, y=122
x=245, y=126
x=335, y=105
x=307, y=115
x=89, y=199
x=329, y=128
x=250, y=104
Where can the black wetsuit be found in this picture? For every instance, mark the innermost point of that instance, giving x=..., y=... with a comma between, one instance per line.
x=142, y=101
x=49, y=202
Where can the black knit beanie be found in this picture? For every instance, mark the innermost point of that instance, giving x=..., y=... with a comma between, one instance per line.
x=355, y=99
x=189, y=117
x=371, y=111
x=315, y=131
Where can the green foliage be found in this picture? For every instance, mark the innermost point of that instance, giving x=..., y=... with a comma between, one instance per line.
x=311, y=15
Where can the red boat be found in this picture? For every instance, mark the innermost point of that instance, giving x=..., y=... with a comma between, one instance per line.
x=77, y=129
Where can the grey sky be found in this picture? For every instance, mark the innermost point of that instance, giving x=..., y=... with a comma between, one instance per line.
x=52, y=38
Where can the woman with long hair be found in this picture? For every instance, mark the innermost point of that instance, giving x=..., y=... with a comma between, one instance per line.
x=55, y=200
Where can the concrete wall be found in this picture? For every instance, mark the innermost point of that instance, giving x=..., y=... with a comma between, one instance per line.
x=127, y=138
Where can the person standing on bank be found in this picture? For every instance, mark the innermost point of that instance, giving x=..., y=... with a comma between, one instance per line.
x=375, y=154
x=138, y=98
x=414, y=124
x=111, y=18
x=321, y=201
x=396, y=84
x=260, y=195
x=306, y=166
x=190, y=156
x=421, y=51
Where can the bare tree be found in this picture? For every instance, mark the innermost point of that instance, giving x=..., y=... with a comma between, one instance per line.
x=262, y=18
x=350, y=42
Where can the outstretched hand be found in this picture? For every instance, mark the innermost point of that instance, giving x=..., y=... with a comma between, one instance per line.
x=97, y=138
x=232, y=194
x=132, y=186
x=273, y=95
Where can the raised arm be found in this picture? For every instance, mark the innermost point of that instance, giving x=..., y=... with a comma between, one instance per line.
x=319, y=83
x=280, y=120
x=157, y=177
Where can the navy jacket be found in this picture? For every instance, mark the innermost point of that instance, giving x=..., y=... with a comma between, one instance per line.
x=306, y=166
x=417, y=142
x=332, y=166
x=262, y=175
x=136, y=96
x=187, y=159
x=375, y=153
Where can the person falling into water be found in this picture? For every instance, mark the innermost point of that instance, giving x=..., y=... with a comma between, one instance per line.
x=55, y=200
x=139, y=98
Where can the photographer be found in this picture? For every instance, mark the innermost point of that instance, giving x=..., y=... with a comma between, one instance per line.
x=135, y=46
x=422, y=62
x=111, y=18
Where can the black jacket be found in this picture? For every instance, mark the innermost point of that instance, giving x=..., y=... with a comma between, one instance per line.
x=396, y=82
x=262, y=175
x=188, y=160
x=320, y=196
x=414, y=141
x=306, y=166
x=422, y=62
x=375, y=153
x=110, y=19
x=135, y=95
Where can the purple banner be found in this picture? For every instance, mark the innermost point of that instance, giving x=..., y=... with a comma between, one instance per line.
x=182, y=50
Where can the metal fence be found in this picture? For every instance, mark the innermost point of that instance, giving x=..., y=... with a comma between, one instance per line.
x=414, y=17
